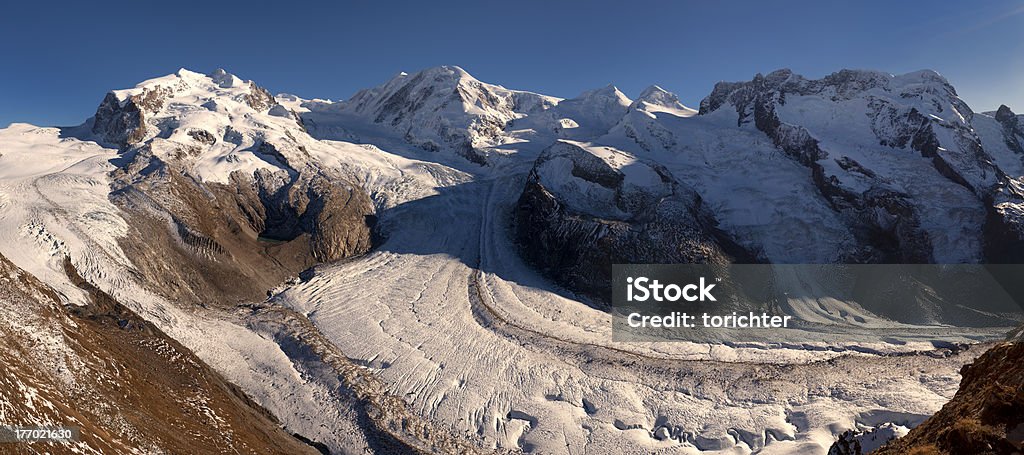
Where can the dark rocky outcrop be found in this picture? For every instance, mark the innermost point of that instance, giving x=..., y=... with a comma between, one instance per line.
x=1013, y=129
x=203, y=136
x=207, y=241
x=1004, y=224
x=123, y=122
x=847, y=444
x=576, y=243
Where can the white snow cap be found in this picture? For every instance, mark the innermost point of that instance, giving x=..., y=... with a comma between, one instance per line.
x=225, y=79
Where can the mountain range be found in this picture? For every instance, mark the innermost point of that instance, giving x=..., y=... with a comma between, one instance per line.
x=424, y=267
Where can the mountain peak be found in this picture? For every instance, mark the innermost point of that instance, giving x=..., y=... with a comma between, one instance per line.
x=925, y=75
x=1004, y=113
x=656, y=99
x=780, y=74
x=176, y=107
x=441, y=107
x=657, y=95
x=187, y=73
x=607, y=94
x=184, y=80
x=447, y=73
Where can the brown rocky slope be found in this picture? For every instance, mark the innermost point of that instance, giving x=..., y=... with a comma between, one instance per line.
x=986, y=416
x=121, y=380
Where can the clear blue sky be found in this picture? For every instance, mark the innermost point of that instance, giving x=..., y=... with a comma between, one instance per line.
x=59, y=60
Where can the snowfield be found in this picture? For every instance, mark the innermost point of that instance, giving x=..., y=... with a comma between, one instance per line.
x=446, y=318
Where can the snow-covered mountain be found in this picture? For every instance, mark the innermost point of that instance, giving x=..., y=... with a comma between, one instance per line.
x=235, y=178
x=353, y=267
x=437, y=109
x=902, y=170
x=849, y=129
x=215, y=124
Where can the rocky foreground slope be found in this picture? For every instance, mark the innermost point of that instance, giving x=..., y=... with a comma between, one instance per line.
x=122, y=381
x=985, y=415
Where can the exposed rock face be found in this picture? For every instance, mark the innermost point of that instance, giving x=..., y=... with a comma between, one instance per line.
x=1013, y=128
x=231, y=240
x=984, y=417
x=259, y=98
x=1005, y=227
x=884, y=219
x=585, y=208
x=126, y=384
x=848, y=444
x=335, y=214
x=123, y=122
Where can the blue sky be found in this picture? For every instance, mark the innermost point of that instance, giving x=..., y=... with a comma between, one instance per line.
x=58, y=60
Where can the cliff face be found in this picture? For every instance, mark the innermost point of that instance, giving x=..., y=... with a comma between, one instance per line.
x=195, y=240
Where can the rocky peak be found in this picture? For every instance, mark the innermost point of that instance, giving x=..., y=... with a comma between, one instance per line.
x=776, y=78
x=811, y=121
x=154, y=107
x=1005, y=116
x=220, y=120
x=433, y=88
